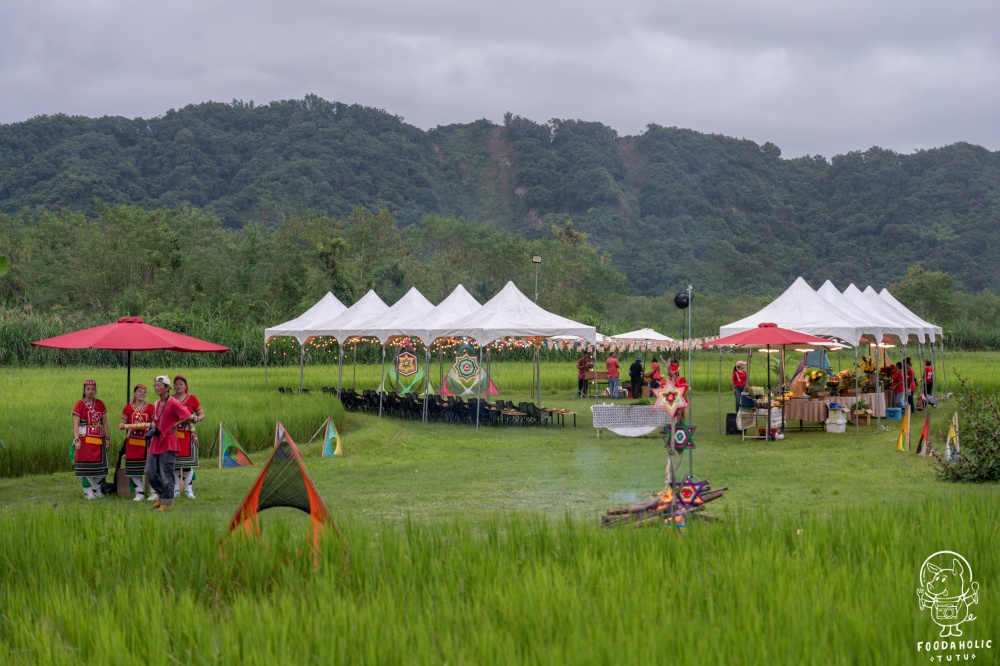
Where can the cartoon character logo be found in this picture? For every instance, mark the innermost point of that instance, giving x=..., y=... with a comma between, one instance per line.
x=948, y=591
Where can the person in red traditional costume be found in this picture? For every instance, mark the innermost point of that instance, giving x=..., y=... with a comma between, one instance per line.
x=90, y=438
x=187, y=456
x=168, y=416
x=136, y=412
x=739, y=381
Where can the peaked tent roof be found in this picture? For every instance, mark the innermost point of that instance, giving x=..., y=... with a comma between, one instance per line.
x=934, y=331
x=643, y=334
x=801, y=309
x=343, y=327
x=387, y=325
x=432, y=325
x=871, y=322
x=869, y=300
x=325, y=309
x=511, y=313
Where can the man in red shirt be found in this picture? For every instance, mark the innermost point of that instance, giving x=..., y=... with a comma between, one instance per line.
x=911, y=384
x=169, y=415
x=612, y=366
x=898, y=387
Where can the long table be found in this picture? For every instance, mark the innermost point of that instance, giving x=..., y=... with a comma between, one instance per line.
x=819, y=410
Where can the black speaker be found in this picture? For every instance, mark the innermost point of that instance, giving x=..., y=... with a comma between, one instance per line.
x=731, y=428
x=681, y=300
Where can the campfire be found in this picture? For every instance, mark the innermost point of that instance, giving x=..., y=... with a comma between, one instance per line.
x=692, y=496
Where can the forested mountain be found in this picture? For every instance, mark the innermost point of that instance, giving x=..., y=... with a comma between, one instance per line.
x=670, y=206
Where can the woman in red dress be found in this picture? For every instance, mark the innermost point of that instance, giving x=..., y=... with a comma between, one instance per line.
x=90, y=437
x=137, y=411
x=187, y=457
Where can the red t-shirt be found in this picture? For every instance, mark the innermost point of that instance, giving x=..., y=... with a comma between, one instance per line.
x=911, y=383
x=612, y=365
x=739, y=378
x=581, y=367
x=655, y=372
x=897, y=381
x=167, y=414
x=928, y=374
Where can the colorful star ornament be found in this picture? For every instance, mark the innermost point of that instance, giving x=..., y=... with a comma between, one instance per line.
x=670, y=398
x=683, y=437
x=406, y=364
x=689, y=493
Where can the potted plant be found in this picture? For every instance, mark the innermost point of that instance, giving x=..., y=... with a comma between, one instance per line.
x=817, y=384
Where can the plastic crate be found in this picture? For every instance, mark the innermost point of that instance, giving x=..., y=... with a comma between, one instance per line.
x=894, y=413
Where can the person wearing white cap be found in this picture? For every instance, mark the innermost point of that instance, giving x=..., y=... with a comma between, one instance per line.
x=169, y=415
x=739, y=381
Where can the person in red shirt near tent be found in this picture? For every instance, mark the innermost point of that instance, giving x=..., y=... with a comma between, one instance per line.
x=655, y=376
x=928, y=381
x=898, y=386
x=137, y=411
x=187, y=455
x=739, y=381
x=168, y=416
x=612, y=367
x=90, y=440
x=911, y=384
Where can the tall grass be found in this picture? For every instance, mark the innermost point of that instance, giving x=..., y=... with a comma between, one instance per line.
x=760, y=588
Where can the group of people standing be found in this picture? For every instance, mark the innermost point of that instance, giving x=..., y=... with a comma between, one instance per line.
x=160, y=441
x=636, y=372
x=904, y=385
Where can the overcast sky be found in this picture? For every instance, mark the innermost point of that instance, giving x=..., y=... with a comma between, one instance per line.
x=817, y=78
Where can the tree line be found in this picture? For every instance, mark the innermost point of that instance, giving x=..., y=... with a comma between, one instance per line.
x=669, y=206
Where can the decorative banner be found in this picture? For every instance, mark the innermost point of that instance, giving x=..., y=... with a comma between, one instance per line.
x=405, y=376
x=466, y=377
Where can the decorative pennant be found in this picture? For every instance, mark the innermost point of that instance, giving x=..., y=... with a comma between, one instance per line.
x=670, y=398
x=689, y=493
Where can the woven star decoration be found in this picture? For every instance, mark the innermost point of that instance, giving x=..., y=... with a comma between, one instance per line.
x=683, y=436
x=406, y=364
x=689, y=493
x=670, y=398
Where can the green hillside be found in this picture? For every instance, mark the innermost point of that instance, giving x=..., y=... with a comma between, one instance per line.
x=670, y=206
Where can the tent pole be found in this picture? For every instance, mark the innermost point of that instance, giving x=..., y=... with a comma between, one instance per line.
x=265, y=365
x=355, y=365
x=782, y=388
x=933, y=363
x=944, y=374
x=427, y=377
x=720, y=391
x=878, y=381
x=302, y=363
x=340, y=367
x=857, y=394
x=536, y=379
x=440, y=370
x=381, y=392
x=479, y=384
x=690, y=344
x=596, y=392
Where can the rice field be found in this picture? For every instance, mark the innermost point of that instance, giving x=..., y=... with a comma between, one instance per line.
x=482, y=546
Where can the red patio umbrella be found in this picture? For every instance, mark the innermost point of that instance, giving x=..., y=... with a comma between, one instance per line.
x=768, y=335
x=130, y=334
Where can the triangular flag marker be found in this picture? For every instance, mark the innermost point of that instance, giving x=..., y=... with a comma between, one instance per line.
x=231, y=454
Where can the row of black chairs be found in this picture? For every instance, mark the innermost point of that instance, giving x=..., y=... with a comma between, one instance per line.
x=446, y=410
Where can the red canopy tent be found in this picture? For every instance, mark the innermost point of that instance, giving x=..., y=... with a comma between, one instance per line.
x=130, y=334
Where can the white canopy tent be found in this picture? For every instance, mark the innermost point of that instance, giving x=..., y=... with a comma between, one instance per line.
x=642, y=335
x=601, y=339
x=931, y=331
x=325, y=308
x=801, y=309
x=345, y=326
x=430, y=326
x=871, y=322
x=869, y=301
x=511, y=314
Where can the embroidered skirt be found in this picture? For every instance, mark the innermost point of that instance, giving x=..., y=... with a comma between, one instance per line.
x=188, y=455
x=91, y=459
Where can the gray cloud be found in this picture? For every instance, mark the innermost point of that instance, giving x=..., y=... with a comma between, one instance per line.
x=813, y=78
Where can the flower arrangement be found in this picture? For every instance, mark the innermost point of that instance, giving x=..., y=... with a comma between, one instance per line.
x=817, y=381
x=867, y=364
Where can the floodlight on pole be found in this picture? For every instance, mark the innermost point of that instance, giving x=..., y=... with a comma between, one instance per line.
x=536, y=259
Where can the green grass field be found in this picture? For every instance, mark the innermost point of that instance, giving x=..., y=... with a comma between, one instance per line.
x=481, y=546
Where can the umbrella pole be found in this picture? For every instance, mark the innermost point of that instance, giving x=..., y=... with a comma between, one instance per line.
x=128, y=377
x=782, y=370
x=767, y=426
